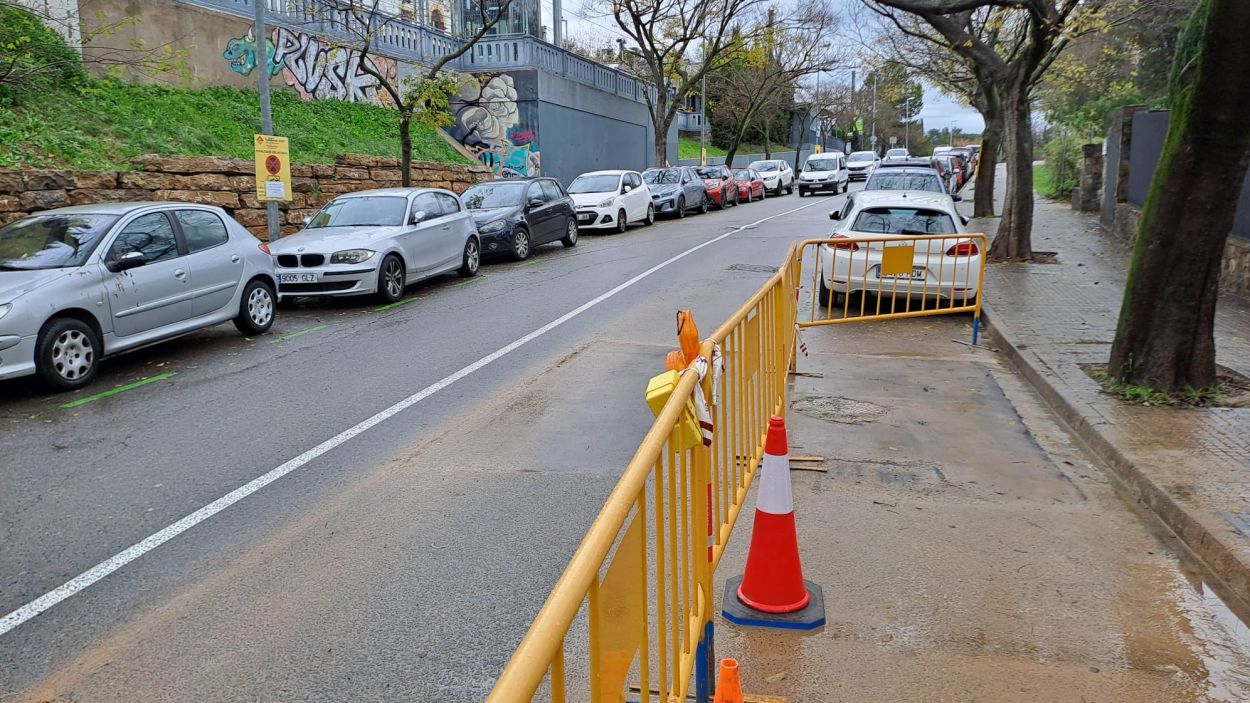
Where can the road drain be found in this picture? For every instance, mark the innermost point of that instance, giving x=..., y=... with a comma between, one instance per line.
x=846, y=411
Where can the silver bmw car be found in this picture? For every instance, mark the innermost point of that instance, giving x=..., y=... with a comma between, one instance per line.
x=80, y=283
x=378, y=242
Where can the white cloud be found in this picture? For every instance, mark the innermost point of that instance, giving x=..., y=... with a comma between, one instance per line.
x=940, y=110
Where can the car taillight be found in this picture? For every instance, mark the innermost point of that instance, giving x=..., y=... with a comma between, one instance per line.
x=964, y=249
x=849, y=246
x=265, y=248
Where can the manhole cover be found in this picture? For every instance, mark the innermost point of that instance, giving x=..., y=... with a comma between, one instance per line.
x=847, y=411
x=753, y=268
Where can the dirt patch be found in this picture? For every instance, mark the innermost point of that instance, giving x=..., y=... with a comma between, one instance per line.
x=845, y=411
x=1232, y=390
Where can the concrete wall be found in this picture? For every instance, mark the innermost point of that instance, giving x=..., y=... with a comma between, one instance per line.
x=1149, y=131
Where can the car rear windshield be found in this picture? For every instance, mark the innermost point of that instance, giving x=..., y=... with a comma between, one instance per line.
x=821, y=165
x=710, y=172
x=764, y=166
x=903, y=220
x=488, y=195
x=51, y=241
x=595, y=184
x=861, y=156
x=367, y=211
x=667, y=175
x=887, y=180
x=743, y=175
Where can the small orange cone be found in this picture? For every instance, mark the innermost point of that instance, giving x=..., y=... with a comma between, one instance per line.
x=728, y=687
x=772, y=592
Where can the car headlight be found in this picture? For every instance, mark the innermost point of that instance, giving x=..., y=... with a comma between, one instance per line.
x=4, y=310
x=351, y=256
x=493, y=227
x=608, y=202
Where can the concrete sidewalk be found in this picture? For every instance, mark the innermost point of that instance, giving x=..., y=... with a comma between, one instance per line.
x=1190, y=466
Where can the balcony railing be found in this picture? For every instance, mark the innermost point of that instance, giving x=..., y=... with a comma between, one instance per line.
x=409, y=41
x=690, y=122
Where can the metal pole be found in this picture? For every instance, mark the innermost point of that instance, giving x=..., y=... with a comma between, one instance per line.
x=266, y=114
x=907, y=128
x=874, y=111
x=853, y=110
x=703, y=114
x=557, y=11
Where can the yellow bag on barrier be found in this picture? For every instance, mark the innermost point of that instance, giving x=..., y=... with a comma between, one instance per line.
x=659, y=388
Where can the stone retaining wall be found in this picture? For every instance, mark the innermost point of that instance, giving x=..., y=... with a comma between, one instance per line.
x=226, y=183
x=1234, y=269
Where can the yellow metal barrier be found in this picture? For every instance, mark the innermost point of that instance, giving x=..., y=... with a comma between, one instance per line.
x=641, y=579
x=856, y=279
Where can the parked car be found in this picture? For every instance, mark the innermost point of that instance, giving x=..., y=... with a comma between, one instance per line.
x=861, y=164
x=611, y=199
x=777, y=174
x=750, y=184
x=81, y=283
x=969, y=160
x=941, y=268
x=952, y=175
x=515, y=215
x=939, y=150
x=674, y=191
x=824, y=172
x=718, y=182
x=378, y=242
x=897, y=155
x=917, y=174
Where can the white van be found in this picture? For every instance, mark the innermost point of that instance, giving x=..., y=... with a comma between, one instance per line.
x=824, y=171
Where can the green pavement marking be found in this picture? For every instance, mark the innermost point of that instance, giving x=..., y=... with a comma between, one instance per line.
x=466, y=282
x=119, y=389
x=301, y=333
x=395, y=304
x=531, y=262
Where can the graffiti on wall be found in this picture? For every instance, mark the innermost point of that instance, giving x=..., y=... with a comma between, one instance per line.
x=313, y=67
x=493, y=124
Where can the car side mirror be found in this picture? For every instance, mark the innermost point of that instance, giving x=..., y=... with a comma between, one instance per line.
x=835, y=215
x=418, y=217
x=626, y=189
x=963, y=219
x=534, y=202
x=957, y=197
x=129, y=260
x=307, y=221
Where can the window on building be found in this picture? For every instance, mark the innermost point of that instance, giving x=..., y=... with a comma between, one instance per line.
x=437, y=21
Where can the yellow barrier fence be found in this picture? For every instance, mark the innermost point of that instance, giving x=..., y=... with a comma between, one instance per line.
x=636, y=598
x=857, y=279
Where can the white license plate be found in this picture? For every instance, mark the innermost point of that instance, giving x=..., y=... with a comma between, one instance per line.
x=916, y=274
x=298, y=278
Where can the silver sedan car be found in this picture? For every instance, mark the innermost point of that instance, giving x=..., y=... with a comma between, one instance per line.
x=379, y=242
x=79, y=283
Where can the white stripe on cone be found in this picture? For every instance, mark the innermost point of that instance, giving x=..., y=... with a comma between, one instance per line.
x=774, y=495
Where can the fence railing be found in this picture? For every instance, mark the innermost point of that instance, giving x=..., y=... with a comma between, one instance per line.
x=641, y=579
x=861, y=278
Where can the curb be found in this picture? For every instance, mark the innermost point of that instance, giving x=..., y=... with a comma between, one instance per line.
x=1210, y=547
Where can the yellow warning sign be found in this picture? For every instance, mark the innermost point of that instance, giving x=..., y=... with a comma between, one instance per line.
x=273, y=168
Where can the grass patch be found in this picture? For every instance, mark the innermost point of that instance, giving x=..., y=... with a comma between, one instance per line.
x=1211, y=396
x=102, y=124
x=688, y=148
x=1043, y=182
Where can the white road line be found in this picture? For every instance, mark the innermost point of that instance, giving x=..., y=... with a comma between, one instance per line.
x=124, y=557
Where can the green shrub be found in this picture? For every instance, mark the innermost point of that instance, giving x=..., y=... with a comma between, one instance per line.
x=1062, y=166
x=32, y=55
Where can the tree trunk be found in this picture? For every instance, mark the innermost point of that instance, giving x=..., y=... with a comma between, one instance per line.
x=405, y=149
x=802, y=140
x=987, y=166
x=768, y=143
x=1165, y=339
x=1014, y=239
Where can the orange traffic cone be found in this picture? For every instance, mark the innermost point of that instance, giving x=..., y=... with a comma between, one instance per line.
x=773, y=589
x=728, y=687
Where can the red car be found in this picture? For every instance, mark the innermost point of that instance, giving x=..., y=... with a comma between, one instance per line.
x=750, y=184
x=722, y=190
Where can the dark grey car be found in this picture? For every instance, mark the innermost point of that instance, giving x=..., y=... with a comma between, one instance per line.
x=676, y=190
x=517, y=214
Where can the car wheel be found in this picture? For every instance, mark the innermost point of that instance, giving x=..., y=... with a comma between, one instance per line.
x=520, y=244
x=67, y=354
x=703, y=205
x=391, y=279
x=681, y=206
x=650, y=216
x=622, y=222
x=256, y=309
x=827, y=296
x=763, y=193
x=724, y=201
x=472, y=260
x=570, y=234
x=790, y=188
x=750, y=196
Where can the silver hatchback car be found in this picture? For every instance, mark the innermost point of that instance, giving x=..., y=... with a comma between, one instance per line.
x=79, y=283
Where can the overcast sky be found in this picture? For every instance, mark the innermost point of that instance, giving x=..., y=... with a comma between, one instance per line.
x=939, y=112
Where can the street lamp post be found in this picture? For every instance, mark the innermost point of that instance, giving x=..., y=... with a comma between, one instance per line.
x=907, y=127
x=266, y=113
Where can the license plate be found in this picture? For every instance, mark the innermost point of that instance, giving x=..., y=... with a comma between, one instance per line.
x=587, y=217
x=916, y=274
x=297, y=278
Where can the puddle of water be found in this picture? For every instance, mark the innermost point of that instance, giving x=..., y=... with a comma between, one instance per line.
x=1221, y=640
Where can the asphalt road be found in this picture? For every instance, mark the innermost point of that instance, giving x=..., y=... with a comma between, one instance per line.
x=404, y=559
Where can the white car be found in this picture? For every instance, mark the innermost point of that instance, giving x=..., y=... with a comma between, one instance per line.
x=861, y=164
x=824, y=172
x=777, y=175
x=611, y=200
x=378, y=242
x=939, y=150
x=897, y=155
x=947, y=269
